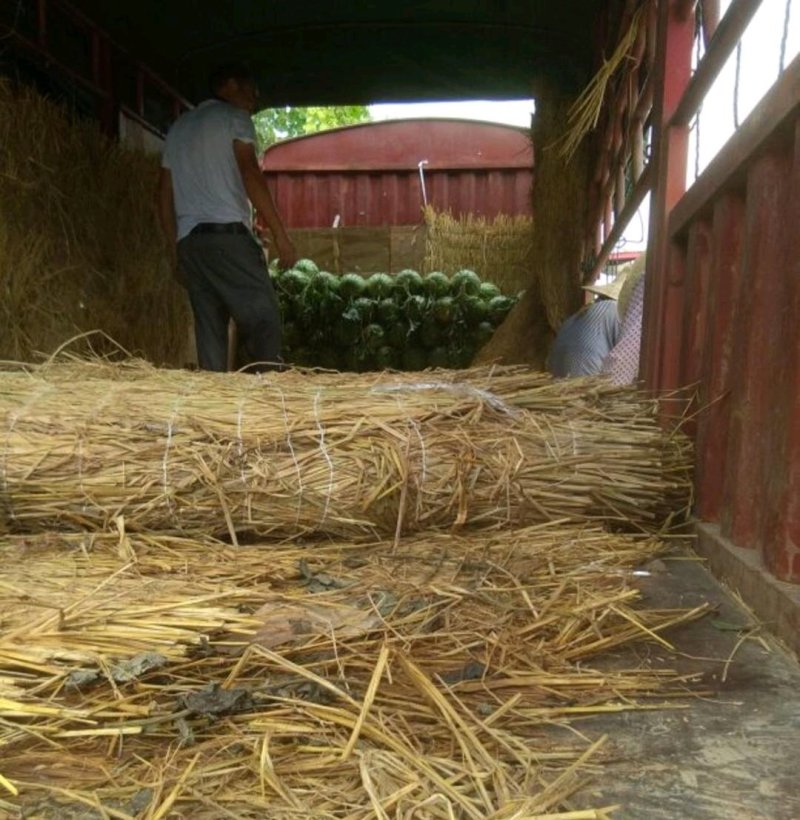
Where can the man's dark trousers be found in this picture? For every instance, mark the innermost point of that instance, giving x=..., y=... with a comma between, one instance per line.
x=227, y=277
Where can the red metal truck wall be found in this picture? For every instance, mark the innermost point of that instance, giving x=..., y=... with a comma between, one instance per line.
x=369, y=174
x=724, y=325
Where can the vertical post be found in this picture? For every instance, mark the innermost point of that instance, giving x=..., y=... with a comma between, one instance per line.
x=660, y=344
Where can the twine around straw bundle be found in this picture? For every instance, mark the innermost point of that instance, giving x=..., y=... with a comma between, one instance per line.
x=284, y=456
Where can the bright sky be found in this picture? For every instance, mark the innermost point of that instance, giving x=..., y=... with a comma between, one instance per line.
x=760, y=64
x=510, y=112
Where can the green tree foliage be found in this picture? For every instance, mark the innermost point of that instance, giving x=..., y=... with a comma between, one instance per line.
x=274, y=124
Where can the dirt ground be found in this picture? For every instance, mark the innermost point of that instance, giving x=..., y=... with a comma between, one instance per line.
x=734, y=753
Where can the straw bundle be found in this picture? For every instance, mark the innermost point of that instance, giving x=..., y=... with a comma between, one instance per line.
x=585, y=111
x=289, y=455
x=500, y=250
x=79, y=243
x=560, y=207
x=429, y=686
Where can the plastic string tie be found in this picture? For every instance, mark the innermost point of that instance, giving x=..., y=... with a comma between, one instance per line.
x=300, y=486
x=456, y=388
x=327, y=457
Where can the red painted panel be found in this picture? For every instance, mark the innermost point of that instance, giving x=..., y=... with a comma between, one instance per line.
x=759, y=342
x=695, y=312
x=400, y=145
x=781, y=524
x=714, y=420
x=722, y=306
x=369, y=175
x=672, y=295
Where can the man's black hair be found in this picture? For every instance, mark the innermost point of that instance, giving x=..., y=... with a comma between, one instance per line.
x=229, y=71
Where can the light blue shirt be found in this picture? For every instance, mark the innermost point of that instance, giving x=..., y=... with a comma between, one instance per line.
x=584, y=340
x=199, y=154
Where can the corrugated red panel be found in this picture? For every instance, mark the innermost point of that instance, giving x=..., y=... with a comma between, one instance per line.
x=369, y=174
x=729, y=302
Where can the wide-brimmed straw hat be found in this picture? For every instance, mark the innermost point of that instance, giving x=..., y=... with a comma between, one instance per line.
x=633, y=275
x=610, y=290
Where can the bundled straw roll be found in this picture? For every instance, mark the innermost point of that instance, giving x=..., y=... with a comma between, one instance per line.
x=288, y=455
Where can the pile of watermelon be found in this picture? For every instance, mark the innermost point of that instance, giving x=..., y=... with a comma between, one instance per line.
x=405, y=321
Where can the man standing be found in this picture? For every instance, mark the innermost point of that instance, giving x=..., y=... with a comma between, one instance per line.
x=209, y=177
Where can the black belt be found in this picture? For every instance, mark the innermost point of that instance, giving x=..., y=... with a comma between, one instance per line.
x=220, y=227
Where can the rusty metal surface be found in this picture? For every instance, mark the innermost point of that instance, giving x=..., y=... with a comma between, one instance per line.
x=369, y=174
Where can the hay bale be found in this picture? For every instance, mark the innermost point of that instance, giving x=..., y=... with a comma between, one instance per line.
x=80, y=247
x=287, y=456
x=500, y=250
x=560, y=208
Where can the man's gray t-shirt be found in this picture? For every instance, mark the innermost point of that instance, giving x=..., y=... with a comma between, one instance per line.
x=584, y=340
x=199, y=154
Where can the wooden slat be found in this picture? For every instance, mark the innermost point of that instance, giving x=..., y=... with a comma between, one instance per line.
x=640, y=190
x=781, y=524
x=759, y=341
x=774, y=112
x=713, y=421
x=724, y=41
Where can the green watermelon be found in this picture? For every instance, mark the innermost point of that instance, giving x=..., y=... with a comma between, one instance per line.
x=499, y=308
x=294, y=282
x=374, y=337
x=365, y=307
x=483, y=333
x=465, y=283
x=326, y=283
x=415, y=308
x=330, y=308
x=380, y=285
x=351, y=286
x=475, y=310
x=437, y=284
x=444, y=310
x=388, y=313
x=306, y=266
x=410, y=282
x=489, y=291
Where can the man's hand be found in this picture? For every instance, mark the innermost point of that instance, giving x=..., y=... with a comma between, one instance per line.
x=259, y=194
x=287, y=254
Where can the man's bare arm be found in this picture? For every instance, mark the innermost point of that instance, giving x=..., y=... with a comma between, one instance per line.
x=259, y=194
